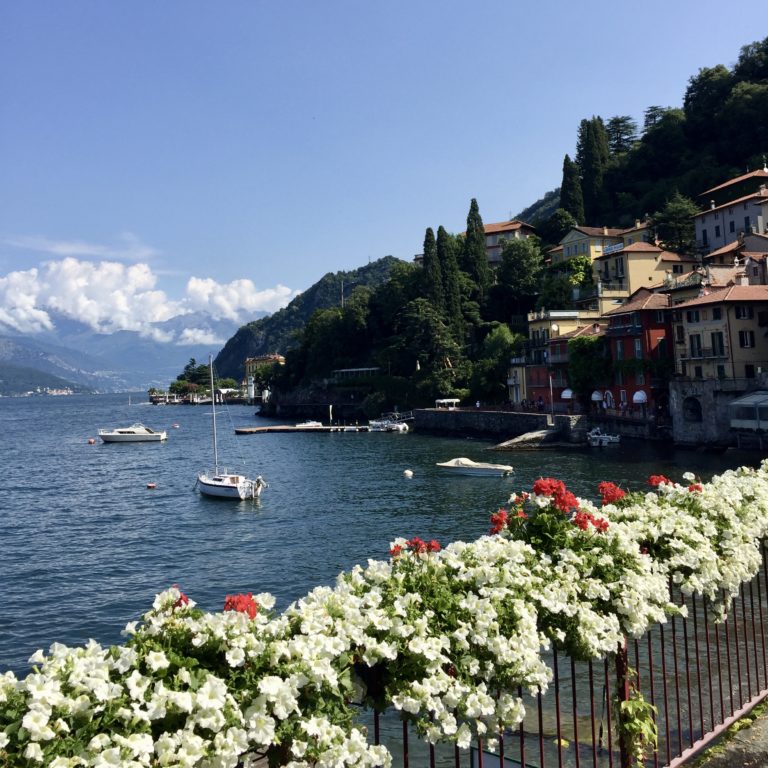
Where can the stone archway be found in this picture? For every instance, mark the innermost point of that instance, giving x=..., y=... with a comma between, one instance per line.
x=692, y=410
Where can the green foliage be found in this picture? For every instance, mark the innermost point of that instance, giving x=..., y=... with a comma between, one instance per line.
x=554, y=229
x=637, y=723
x=433, y=273
x=474, y=259
x=447, y=250
x=589, y=365
x=622, y=134
x=20, y=380
x=571, y=197
x=674, y=225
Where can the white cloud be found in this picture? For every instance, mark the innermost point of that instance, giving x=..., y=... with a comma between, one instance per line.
x=110, y=296
x=130, y=248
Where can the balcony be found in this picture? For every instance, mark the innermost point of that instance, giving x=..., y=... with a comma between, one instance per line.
x=558, y=357
x=705, y=353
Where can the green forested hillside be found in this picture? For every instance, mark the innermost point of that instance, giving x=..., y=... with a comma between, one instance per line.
x=278, y=332
x=18, y=380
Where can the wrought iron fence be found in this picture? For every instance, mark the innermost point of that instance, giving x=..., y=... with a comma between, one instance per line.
x=699, y=675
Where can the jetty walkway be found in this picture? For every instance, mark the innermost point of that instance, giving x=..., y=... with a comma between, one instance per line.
x=292, y=428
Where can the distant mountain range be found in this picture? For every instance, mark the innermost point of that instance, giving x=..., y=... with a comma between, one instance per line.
x=76, y=356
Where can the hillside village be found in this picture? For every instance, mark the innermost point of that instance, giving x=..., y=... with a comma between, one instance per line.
x=703, y=319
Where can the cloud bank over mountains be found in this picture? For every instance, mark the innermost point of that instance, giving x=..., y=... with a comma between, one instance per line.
x=109, y=295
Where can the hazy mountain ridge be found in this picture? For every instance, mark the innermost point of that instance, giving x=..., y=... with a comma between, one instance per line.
x=276, y=332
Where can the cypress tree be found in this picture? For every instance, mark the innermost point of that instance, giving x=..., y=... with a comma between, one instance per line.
x=474, y=258
x=594, y=160
x=433, y=273
x=571, y=198
x=446, y=256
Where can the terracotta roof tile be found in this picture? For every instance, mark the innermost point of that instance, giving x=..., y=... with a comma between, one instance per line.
x=762, y=173
x=643, y=298
x=732, y=293
x=505, y=226
x=761, y=194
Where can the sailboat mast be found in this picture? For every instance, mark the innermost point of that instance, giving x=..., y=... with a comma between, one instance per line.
x=213, y=406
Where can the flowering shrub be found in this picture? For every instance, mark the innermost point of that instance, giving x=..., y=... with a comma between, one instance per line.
x=445, y=635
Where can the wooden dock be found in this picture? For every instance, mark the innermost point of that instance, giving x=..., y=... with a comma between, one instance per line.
x=292, y=428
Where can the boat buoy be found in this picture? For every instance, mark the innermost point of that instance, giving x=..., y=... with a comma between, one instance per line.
x=91, y=441
x=408, y=473
x=175, y=426
x=151, y=486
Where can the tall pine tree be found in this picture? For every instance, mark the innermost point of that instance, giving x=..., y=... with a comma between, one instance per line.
x=474, y=259
x=592, y=156
x=446, y=255
x=571, y=198
x=433, y=273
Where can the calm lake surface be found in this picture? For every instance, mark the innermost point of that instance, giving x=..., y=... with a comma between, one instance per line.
x=85, y=545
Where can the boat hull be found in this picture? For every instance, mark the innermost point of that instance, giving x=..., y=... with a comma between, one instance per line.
x=224, y=486
x=137, y=434
x=477, y=469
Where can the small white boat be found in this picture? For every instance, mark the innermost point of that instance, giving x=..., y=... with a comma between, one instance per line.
x=309, y=424
x=220, y=483
x=463, y=466
x=387, y=425
x=598, y=439
x=136, y=433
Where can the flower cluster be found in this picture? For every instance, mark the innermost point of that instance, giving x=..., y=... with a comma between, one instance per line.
x=447, y=636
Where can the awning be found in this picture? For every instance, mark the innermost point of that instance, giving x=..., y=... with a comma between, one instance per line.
x=597, y=396
x=567, y=394
x=639, y=397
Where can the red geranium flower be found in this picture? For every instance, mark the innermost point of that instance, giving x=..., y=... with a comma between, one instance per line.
x=695, y=488
x=499, y=520
x=610, y=492
x=563, y=499
x=242, y=604
x=656, y=480
x=396, y=550
x=183, y=599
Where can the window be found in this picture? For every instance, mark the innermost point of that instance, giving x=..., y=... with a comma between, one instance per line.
x=749, y=371
x=746, y=224
x=623, y=396
x=697, y=372
x=717, y=230
x=704, y=237
x=744, y=312
x=639, y=378
x=639, y=349
x=680, y=334
x=677, y=269
x=619, y=349
x=755, y=272
x=746, y=339
x=720, y=371
x=619, y=267
x=717, y=313
x=732, y=226
x=718, y=345
x=658, y=316
x=695, y=344
x=692, y=315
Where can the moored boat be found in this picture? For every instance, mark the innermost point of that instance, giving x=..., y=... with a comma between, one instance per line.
x=599, y=439
x=136, y=433
x=464, y=466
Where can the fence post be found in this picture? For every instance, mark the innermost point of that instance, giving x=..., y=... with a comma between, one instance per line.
x=622, y=695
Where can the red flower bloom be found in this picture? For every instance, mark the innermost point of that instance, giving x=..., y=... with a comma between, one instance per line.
x=499, y=521
x=656, y=480
x=434, y=546
x=610, y=492
x=242, y=604
x=396, y=550
x=183, y=599
x=563, y=499
x=695, y=488
x=521, y=514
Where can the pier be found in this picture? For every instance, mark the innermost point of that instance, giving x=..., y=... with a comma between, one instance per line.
x=292, y=428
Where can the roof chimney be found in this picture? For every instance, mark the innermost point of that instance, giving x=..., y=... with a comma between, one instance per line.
x=711, y=203
x=605, y=230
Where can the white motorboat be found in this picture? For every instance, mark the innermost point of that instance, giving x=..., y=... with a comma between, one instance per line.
x=136, y=433
x=464, y=466
x=599, y=439
x=309, y=424
x=387, y=425
x=221, y=483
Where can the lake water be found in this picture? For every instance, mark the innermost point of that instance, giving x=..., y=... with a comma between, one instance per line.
x=85, y=545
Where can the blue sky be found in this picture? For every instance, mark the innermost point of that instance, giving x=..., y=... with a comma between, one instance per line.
x=177, y=155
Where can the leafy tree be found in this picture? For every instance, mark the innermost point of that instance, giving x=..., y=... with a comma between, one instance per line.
x=752, y=64
x=571, y=197
x=622, y=134
x=592, y=159
x=447, y=247
x=589, y=365
x=433, y=273
x=425, y=338
x=703, y=104
x=489, y=374
x=556, y=227
x=652, y=116
x=520, y=271
x=674, y=226
x=474, y=258
x=745, y=119
x=556, y=291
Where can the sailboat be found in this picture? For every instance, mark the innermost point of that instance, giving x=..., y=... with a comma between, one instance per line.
x=220, y=483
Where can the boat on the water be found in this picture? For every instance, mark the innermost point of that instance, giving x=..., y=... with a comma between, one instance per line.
x=464, y=466
x=599, y=439
x=136, y=433
x=387, y=425
x=309, y=424
x=221, y=483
